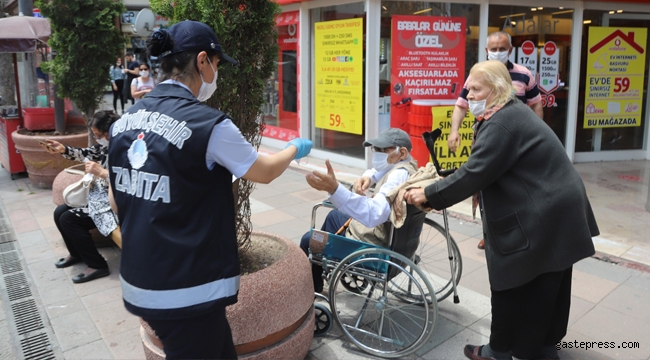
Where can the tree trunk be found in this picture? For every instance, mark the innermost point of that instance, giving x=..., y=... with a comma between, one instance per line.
x=7, y=80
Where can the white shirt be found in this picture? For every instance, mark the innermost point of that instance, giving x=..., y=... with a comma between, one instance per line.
x=227, y=146
x=370, y=211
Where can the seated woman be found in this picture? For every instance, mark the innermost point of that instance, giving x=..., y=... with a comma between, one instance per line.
x=392, y=166
x=75, y=223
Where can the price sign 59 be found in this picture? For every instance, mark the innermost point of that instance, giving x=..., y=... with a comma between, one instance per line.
x=548, y=100
x=335, y=121
x=621, y=84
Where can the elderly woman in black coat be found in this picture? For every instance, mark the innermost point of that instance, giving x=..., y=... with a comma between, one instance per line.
x=536, y=215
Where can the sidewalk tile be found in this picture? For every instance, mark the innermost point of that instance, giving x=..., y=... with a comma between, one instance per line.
x=603, y=324
x=95, y=350
x=575, y=353
x=472, y=306
x=605, y=270
x=75, y=330
x=101, y=298
x=453, y=348
x=629, y=301
x=483, y=325
x=579, y=307
x=591, y=288
x=64, y=307
x=444, y=330
x=476, y=281
x=292, y=229
x=37, y=253
x=111, y=318
x=25, y=225
x=280, y=201
x=271, y=217
x=126, y=345
x=31, y=238
x=638, y=254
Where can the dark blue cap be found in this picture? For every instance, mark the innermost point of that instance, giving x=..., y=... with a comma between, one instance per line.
x=191, y=35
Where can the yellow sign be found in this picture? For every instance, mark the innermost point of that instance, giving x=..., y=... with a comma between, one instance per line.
x=442, y=119
x=614, y=81
x=339, y=75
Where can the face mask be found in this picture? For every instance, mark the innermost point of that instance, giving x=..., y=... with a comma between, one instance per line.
x=380, y=160
x=477, y=107
x=498, y=55
x=206, y=89
x=103, y=142
x=144, y=73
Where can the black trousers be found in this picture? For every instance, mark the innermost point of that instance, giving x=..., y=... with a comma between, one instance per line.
x=76, y=234
x=203, y=337
x=531, y=316
x=118, y=94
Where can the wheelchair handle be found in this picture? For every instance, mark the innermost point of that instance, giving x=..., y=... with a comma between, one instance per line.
x=430, y=138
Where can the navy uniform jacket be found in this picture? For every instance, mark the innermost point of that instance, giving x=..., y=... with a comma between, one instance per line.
x=536, y=213
x=179, y=255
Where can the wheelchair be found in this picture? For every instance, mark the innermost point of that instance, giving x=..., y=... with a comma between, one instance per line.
x=385, y=298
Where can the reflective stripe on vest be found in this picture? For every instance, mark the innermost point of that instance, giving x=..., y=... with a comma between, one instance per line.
x=179, y=298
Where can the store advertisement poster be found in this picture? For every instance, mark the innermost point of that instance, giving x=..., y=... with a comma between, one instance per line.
x=614, y=81
x=339, y=75
x=427, y=61
x=442, y=120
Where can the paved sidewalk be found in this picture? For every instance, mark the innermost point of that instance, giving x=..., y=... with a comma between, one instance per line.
x=611, y=302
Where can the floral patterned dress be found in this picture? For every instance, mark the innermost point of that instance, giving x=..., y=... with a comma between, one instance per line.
x=98, y=208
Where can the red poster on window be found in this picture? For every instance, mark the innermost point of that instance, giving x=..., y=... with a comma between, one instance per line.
x=428, y=60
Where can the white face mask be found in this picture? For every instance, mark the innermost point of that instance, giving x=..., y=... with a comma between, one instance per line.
x=477, y=107
x=144, y=73
x=380, y=160
x=103, y=142
x=206, y=89
x=498, y=55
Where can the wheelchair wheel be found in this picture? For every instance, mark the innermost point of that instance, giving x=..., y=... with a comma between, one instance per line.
x=354, y=283
x=375, y=319
x=324, y=320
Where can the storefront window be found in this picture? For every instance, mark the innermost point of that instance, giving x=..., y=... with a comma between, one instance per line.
x=280, y=109
x=541, y=40
x=613, y=81
x=338, y=70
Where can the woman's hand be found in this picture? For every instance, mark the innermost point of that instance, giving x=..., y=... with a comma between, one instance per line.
x=415, y=196
x=96, y=169
x=53, y=147
x=114, y=87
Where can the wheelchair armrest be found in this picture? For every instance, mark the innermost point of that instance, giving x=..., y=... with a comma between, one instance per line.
x=324, y=203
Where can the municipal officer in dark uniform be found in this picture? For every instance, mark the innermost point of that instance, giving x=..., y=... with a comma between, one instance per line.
x=172, y=165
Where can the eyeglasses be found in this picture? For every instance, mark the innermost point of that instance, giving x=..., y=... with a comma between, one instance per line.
x=383, y=150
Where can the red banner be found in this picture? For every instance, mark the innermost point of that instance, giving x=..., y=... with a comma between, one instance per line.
x=428, y=60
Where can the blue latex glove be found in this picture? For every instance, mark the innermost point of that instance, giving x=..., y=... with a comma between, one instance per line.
x=303, y=146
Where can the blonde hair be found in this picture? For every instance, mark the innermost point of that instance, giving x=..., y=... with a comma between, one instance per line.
x=496, y=76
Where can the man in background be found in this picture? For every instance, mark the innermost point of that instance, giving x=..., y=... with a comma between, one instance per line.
x=132, y=71
x=499, y=47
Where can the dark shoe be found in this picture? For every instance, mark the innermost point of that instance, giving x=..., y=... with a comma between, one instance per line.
x=63, y=263
x=82, y=278
x=474, y=352
x=481, y=244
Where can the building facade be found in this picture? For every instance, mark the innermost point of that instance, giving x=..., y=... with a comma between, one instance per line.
x=348, y=69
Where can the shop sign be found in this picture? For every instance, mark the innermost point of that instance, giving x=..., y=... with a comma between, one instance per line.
x=128, y=17
x=442, y=120
x=528, y=56
x=428, y=59
x=614, y=81
x=338, y=52
x=549, y=68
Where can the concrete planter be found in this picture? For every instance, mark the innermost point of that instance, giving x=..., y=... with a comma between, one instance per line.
x=274, y=317
x=42, y=167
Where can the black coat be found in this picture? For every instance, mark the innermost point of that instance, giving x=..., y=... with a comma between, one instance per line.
x=536, y=213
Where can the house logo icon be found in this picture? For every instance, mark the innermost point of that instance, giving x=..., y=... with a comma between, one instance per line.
x=617, y=36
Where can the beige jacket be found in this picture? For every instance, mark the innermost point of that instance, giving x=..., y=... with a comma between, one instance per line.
x=424, y=177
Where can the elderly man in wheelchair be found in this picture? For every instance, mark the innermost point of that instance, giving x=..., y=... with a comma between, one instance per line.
x=378, y=294
x=366, y=219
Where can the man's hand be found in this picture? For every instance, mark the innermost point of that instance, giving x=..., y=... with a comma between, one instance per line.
x=415, y=196
x=454, y=140
x=361, y=185
x=326, y=182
